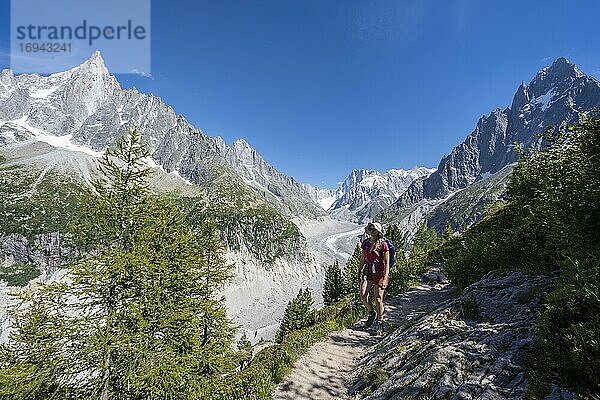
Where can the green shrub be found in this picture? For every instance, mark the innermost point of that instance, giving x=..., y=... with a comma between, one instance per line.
x=18, y=274
x=500, y=241
x=549, y=225
x=568, y=331
x=402, y=276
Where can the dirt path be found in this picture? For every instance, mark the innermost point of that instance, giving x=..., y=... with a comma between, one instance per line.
x=324, y=372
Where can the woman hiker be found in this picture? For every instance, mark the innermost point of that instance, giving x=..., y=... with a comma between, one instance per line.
x=375, y=267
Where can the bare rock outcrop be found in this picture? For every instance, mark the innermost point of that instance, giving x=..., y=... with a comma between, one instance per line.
x=471, y=347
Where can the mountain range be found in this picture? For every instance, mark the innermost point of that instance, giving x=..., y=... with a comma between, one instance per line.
x=556, y=96
x=54, y=128
x=86, y=109
x=365, y=193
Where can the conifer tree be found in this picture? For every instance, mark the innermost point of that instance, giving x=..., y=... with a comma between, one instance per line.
x=245, y=351
x=448, y=232
x=400, y=275
x=393, y=233
x=137, y=316
x=297, y=315
x=425, y=239
x=333, y=288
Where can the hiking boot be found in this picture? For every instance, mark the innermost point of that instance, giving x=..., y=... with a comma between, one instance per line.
x=378, y=328
x=370, y=320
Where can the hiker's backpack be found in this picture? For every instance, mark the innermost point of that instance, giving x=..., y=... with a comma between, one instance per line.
x=392, y=248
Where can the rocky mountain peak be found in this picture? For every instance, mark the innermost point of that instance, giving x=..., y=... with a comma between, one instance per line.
x=358, y=175
x=87, y=104
x=94, y=65
x=241, y=146
x=521, y=97
x=95, y=60
x=559, y=76
x=555, y=96
x=6, y=75
x=95, y=69
x=564, y=67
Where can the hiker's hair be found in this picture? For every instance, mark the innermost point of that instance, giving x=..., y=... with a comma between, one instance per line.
x=377, y=245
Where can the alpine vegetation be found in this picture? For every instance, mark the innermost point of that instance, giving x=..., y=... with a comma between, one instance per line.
x=548, y=227
x=333, y=287
x=298, y=315
x=137, y=314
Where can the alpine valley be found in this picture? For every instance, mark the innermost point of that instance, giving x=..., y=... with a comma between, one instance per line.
x=278, y=232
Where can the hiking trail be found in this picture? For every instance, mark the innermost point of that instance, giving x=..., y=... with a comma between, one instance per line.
x=326, y=370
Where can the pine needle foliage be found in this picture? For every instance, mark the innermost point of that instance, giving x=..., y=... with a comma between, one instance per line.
x=333, y=287
x=298, y=315
x=137, y=315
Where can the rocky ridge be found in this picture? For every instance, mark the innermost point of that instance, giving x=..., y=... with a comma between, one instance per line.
x=85, y=109
x=554, y=97
x=364, y=193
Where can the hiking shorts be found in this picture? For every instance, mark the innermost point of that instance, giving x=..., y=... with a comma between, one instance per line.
x=377, y=276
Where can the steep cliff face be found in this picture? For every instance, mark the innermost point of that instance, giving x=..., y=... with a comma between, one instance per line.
x=275, y=186
x=555, y=96
x=46, y=251
x=469, y=205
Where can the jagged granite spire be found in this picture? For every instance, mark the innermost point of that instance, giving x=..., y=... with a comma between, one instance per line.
x=556, y=95
x=521, y=97
x=88, y=103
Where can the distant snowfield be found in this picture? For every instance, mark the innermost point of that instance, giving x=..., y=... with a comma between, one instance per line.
x=43, y=93
x=327, y=202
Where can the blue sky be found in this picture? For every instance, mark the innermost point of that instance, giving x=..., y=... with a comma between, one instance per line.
x=322, y=87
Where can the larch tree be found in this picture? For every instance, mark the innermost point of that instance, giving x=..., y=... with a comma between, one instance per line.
x=298, y=315
x=136, y=315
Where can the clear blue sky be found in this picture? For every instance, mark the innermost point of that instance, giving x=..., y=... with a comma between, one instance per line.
x=322, y=87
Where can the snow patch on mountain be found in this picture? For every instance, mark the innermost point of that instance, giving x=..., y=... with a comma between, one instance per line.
x=545, y=100
x=63, y=142
x=43, y=93
x=326, y=202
